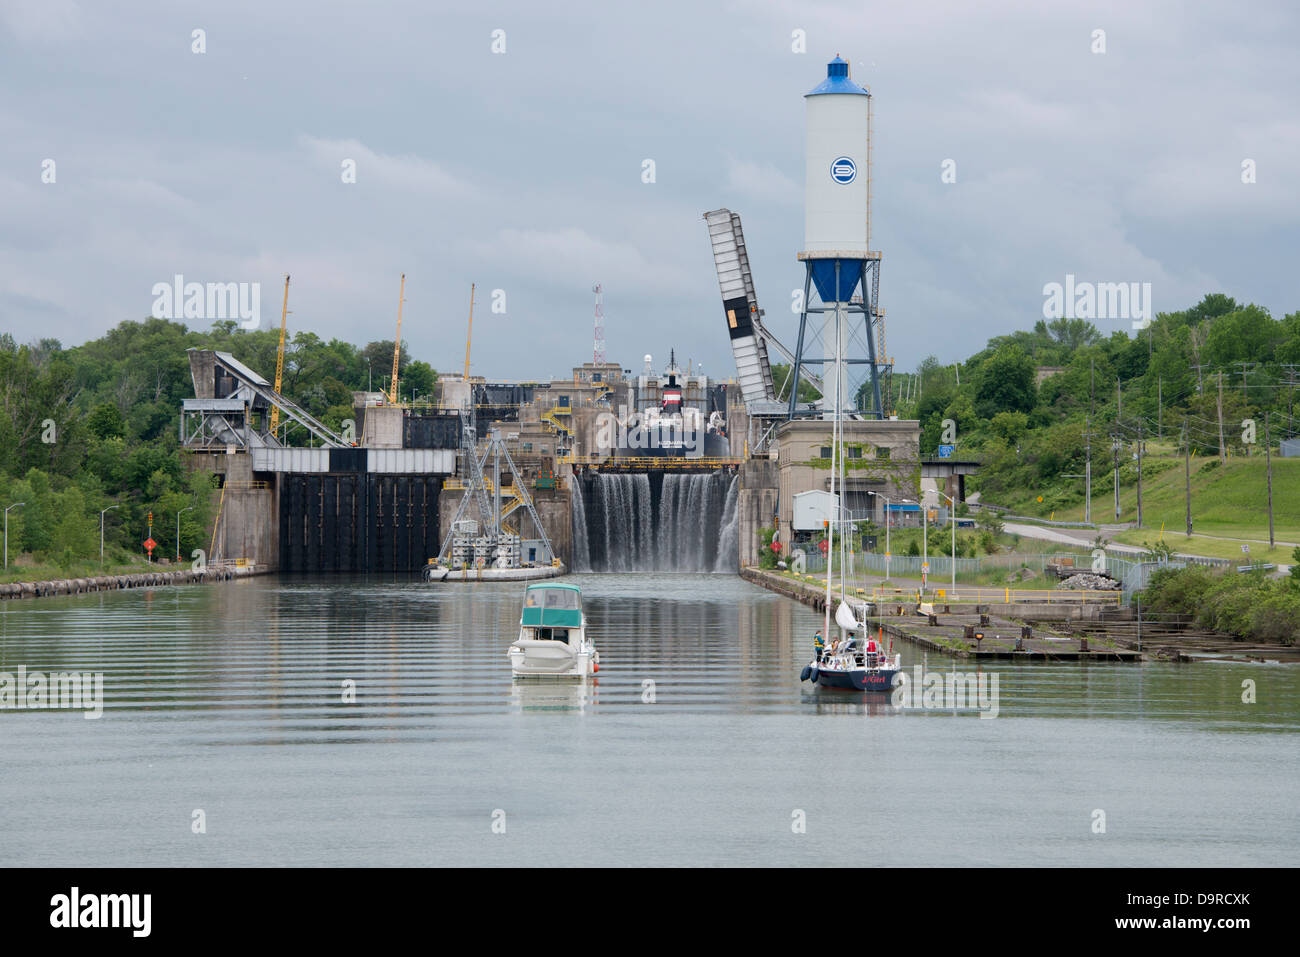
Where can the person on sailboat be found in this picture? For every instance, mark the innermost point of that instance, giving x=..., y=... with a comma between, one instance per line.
x=819, y=645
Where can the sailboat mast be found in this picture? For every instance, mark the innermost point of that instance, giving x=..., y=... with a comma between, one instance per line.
x=835, y=457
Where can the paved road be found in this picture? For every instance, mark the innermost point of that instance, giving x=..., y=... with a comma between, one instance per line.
x=1085, y=537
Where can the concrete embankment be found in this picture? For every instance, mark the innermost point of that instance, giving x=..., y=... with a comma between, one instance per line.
x=82, y=586
x=1004, y=630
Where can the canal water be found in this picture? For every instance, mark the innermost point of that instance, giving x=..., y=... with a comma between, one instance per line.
x=697, y=745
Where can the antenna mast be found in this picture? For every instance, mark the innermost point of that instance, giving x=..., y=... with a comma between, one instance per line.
x=598, y=341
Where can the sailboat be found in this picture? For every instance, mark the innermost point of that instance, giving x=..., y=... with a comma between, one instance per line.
x=853, y=661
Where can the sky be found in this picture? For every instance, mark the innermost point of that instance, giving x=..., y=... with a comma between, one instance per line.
x=520, y=168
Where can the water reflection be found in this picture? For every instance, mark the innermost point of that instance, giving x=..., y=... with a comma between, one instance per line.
x=532, y=696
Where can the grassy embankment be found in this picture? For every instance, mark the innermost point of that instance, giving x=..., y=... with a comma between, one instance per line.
x=1011, y=549
x=29, y=571
x=1229, y=504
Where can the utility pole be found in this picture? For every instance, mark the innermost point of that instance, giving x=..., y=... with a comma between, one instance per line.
x=1087, y=436
x=1245, y=367
x=1268, y=458
x=1115, y=447
x=1092, y=387
x=1119, y=406
x=1087, y=472
x=1187, y=472
x=1290, y=368
x=1160, y=414
x=1139, y=473
x=1223, y=456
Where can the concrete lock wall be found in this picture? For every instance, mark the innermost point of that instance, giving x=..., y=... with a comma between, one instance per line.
x=246, y=526
x=756, y=505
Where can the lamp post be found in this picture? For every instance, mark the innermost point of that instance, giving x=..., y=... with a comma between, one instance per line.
x=888, y=522
x=370, y=377
x=14, y=505
x=953, y=515
x=187, y=508
x=925, y=543
x=101, y=533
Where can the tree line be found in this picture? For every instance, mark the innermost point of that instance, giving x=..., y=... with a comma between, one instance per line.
x=97, y=425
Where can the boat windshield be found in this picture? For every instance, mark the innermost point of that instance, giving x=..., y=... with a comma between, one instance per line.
x=559, y=598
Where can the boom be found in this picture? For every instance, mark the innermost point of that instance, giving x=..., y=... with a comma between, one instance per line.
x=279, y=357
x=397, y=343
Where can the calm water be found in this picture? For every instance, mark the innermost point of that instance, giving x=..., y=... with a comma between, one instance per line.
x=228, y=698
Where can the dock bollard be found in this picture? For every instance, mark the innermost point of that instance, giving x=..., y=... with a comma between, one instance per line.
x=1083, y=643
x=984, y=619
x=1020, y=644
x=1026, y=631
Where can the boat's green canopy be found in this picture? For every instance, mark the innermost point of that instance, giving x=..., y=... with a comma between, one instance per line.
x=552, y=606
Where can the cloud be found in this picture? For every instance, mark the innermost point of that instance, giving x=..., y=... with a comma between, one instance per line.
x=40, y=21
x=762, y=181
x=404, y=173
x=571, y=255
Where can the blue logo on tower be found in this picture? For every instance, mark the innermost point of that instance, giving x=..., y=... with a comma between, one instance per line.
x=844, y=170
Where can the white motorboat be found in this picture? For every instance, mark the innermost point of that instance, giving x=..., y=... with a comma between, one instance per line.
x=553, y=640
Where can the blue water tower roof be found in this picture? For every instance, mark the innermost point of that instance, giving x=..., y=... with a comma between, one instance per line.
x=837, y=80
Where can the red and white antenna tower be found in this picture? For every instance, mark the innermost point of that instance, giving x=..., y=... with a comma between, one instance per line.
x=598, y=342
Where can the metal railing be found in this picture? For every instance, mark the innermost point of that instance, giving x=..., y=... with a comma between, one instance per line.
x=987, y=594
x=648, y=463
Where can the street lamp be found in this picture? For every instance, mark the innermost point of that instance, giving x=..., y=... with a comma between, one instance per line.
x=101, y=533
x=925, y=543
x=902, y=501
x=370, y=378
x=187, y=508
x=14, y=505
x=953, y=515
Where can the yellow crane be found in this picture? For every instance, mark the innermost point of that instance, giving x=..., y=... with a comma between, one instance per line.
x=279, y=356
x=397, y=343
x=470, y=334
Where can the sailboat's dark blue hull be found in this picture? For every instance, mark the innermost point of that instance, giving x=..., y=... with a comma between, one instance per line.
x=859, y=679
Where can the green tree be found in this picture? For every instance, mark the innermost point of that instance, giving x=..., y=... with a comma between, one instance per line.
x=106, y=422
x=1006, y=383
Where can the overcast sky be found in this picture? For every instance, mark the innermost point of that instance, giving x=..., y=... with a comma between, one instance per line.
x=522, y=170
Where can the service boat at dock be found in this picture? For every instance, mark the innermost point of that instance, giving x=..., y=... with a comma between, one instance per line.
x=553, y=640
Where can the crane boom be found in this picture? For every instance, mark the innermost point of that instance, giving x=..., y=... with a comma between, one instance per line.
x=397, y=343
x=279, y=356
x=469, y=335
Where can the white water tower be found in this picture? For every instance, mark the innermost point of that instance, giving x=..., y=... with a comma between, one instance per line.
x=841, y=270
x=835, y=165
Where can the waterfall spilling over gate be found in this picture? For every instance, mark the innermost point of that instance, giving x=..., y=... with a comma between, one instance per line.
x=626, y=522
